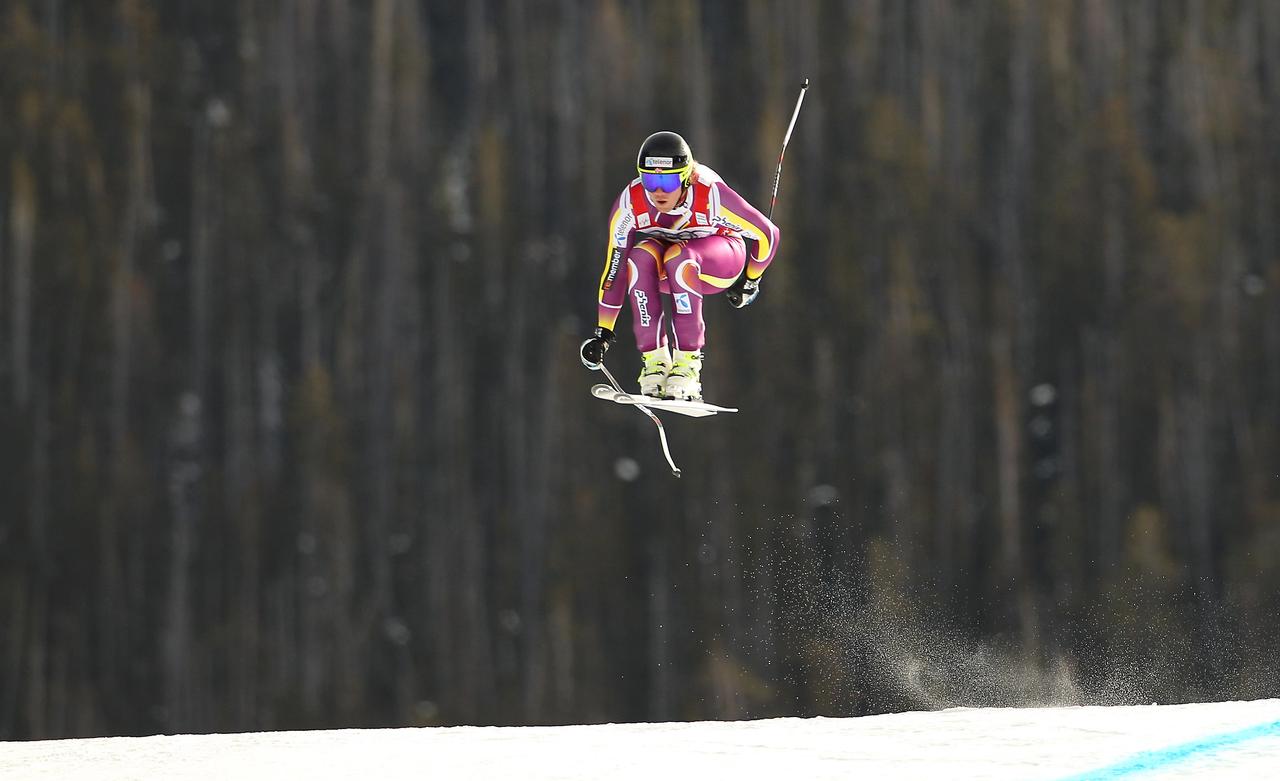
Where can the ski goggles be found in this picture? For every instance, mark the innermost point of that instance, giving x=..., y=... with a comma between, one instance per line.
x=666, y=181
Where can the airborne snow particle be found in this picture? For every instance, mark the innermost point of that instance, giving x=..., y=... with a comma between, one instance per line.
x=627, y=469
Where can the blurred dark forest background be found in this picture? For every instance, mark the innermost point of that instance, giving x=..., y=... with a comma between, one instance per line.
x=293, y=431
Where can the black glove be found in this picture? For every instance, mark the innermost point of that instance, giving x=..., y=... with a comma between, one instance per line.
x=742, y=292
x=593, y=350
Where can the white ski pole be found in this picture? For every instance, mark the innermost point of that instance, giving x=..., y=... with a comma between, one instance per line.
x=792, y=126
x=662, y=434
x=745, y=289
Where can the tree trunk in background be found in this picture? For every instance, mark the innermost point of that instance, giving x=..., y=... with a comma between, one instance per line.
x=1014, y=571
x=378, y=236
x=22, y=222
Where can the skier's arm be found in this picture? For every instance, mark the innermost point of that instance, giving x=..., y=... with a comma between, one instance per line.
x=613, y=279
x=752, y=225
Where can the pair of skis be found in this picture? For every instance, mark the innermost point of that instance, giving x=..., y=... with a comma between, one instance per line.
x=694, y=409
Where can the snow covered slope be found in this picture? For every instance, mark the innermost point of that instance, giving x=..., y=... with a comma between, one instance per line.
x=1234, y=740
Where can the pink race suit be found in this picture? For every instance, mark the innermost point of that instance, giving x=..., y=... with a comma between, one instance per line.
x=697, y=249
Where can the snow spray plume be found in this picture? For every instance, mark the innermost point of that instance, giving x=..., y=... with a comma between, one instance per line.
x=865, y=642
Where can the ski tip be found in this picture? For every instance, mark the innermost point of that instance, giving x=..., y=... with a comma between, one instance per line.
x=675, y=472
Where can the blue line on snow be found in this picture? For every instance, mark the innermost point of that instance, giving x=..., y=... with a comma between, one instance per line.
x=1163, y=757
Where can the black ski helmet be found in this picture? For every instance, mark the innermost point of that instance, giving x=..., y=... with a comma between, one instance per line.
x=666, y=152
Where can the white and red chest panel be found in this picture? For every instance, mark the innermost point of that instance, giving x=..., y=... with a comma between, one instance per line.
x=695, y=217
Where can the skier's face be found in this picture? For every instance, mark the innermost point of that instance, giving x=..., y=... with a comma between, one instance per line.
x=666, y=201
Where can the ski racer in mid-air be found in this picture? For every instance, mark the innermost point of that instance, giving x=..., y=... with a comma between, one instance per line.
x=677, y=230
